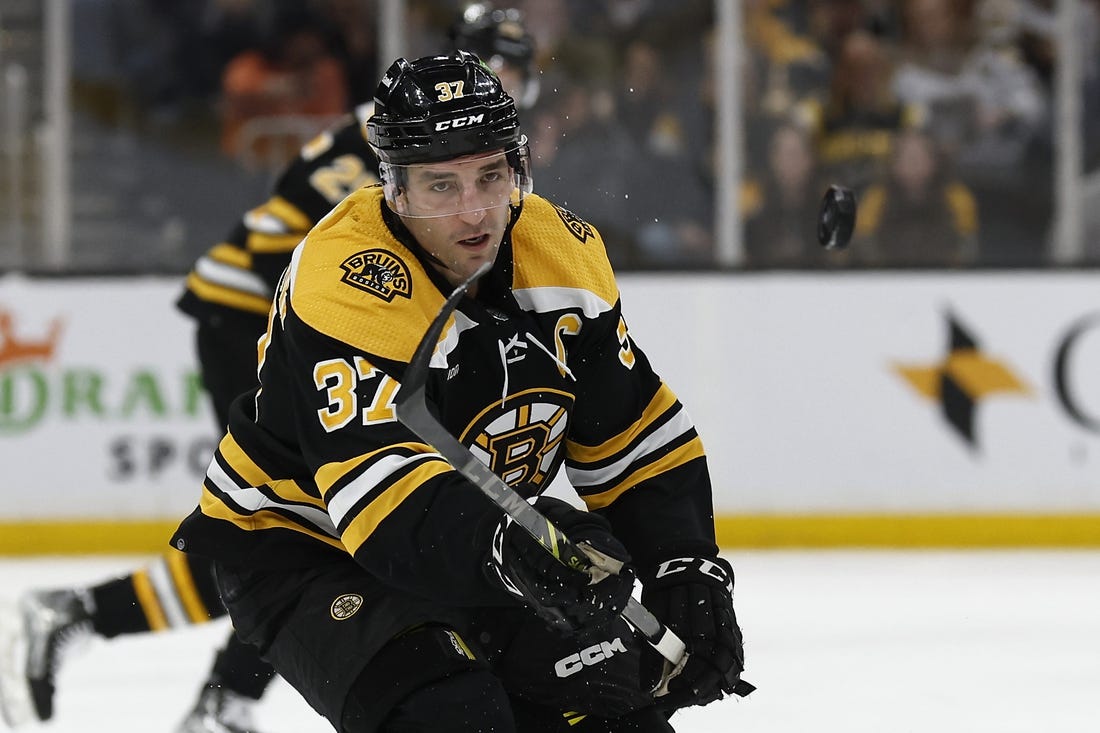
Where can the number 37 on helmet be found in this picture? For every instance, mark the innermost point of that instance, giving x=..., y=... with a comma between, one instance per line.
x=451, y=110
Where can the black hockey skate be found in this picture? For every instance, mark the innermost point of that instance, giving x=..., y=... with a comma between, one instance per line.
x=44, y=630
x=219, y=710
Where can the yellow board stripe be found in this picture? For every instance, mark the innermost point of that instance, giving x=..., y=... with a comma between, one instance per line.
x=944, y=531
x=150, y=604
x=89, y=536
x=762, y=531
x=185, y=587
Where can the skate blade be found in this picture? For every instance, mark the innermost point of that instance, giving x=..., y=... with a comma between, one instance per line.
x=16, y=704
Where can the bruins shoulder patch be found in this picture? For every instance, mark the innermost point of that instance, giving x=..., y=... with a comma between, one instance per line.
x=378, y=272
x=577, y=226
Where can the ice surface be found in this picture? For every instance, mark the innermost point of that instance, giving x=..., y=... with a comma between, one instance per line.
x=851, y=642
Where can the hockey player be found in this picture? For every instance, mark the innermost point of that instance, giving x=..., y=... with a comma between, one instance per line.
x=375, y=578
x=229, y=294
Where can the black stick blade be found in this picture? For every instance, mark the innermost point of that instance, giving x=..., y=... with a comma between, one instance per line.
x=416, y=375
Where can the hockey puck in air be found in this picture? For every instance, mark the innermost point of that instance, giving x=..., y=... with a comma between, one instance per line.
x=837, y=219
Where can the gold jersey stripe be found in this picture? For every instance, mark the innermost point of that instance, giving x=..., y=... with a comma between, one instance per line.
x=150, y=604
x=687, y=452
x=184, y=583
x=292, y=491
x=330, y=473
x=231, y=254
x=227, y=296
x=288, y=213
x=213, y=507
x=241, y=462
x=372, y=515
x=661, y=402
x=264, y=243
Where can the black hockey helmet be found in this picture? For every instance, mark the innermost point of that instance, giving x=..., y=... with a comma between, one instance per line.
x=441, y=107
x=438, y=108
x=498, y=36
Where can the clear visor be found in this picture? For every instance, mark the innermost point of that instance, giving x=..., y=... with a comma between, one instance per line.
x=460, y=185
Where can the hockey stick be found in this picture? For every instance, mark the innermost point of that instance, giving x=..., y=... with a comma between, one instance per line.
x=412, y=411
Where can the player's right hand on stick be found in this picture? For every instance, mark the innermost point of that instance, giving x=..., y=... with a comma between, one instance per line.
x=694, y=597
x=568, y=599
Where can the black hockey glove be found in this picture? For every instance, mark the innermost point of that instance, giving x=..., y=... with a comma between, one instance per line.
x=567, y=599
x=693, y=596
x=596, y=672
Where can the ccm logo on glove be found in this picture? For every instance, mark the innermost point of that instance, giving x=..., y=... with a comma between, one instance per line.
x=588, y=656
x=699, y=564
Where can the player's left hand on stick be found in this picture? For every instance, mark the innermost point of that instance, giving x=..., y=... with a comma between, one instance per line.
x=570, y=599
x=693, y=596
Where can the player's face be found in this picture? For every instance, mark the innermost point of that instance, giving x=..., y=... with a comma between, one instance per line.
x=475, y=191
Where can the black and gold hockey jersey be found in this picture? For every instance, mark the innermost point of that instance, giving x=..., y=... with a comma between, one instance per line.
x=238, y=276
x=538, y=370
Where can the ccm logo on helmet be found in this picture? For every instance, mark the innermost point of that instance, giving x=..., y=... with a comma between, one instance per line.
x=588, y=656
x=459, y=122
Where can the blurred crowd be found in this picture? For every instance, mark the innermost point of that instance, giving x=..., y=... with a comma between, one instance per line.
x=938, y=113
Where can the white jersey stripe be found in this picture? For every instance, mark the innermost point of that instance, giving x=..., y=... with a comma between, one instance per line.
x=252, y=499
x=546, y=299
x=265, y=223
x=363, y=484
x=670, y=431
x=237, y=278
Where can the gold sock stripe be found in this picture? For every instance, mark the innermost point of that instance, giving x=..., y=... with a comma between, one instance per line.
x=150, y=604
x=184, y=582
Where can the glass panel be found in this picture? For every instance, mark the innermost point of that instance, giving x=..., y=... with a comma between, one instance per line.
x=940, y=114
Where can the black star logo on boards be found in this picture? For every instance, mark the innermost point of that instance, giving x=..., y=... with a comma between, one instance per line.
x=962, y=379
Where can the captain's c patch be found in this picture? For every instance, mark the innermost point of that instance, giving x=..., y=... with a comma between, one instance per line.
x=379, y=273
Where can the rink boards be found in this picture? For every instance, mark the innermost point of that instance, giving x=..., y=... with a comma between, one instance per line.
x=885, y=409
